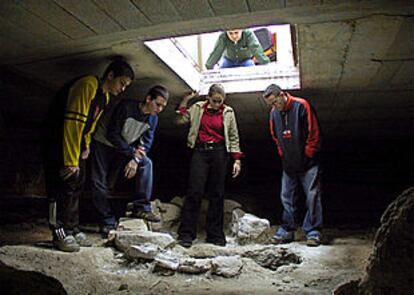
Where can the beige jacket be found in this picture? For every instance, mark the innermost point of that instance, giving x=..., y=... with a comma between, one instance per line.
x=194, y=115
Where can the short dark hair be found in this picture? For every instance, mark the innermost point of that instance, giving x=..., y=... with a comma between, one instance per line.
x=158, y=90
x=272, y=89
x=119, y=68
x=217, y=89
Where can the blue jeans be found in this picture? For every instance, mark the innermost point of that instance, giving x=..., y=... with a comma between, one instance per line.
x=102, y=157
x=310, y=181
x=143, y=185
x=227, y=63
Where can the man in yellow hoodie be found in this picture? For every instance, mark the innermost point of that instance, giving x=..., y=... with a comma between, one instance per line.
x=70, y=122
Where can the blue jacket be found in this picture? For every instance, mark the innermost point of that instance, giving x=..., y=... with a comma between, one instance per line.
x=127, y=128
x=296, y=133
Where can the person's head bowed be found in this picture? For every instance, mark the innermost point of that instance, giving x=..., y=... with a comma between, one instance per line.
x=117, y=77
x=156, y=99
x=274, y=96
x=216, y=96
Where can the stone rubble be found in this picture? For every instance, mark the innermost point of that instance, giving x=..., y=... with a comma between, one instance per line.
x=227, y=266
x=249, y=228
x=141, y=240
x=143, y=251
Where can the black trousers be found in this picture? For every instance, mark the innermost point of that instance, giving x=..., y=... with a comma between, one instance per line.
x=102, y=158
x=64, y=195
x=207, y=175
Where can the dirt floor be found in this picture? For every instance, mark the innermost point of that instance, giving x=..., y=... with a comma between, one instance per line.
x=103, y=270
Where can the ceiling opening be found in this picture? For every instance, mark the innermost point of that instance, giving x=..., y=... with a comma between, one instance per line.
x=187, y=57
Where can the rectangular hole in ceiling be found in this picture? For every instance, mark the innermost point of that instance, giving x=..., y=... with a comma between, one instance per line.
x=187, y=57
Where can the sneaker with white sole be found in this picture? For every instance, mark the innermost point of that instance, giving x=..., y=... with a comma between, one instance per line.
x=82, y=239
x=67, y=244
x=313, y=240
x=283, y=237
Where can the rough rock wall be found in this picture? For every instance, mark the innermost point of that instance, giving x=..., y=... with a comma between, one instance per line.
x=391, y=265
x=390, y=268
x=35, y=283
x=24, y=104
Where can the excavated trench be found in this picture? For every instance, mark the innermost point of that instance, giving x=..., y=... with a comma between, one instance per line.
x=143, y=260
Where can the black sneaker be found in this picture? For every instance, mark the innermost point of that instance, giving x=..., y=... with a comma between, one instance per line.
x=148, y=216
x=217, y=242
x=185, y=243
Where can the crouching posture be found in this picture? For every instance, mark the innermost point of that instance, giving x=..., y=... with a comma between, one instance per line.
x=213, y=135
x=128, y=131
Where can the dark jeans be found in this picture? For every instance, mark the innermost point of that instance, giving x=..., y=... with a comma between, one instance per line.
x=310, y=181
x=64, y=196
x=207, y=174
x=102, y=157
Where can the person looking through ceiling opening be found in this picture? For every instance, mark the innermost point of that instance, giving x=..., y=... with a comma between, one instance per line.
x=236, y=48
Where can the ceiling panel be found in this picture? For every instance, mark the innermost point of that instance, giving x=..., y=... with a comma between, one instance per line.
x=56, y=16
x=30, y=23
x=15, y=34
x=322, y=49
x=256, y=5
x=191, y=9
x=229, y=7
x=404, y=77
x=90, y=15
x=406, y=37
x=293, y=3
x=157, y=13
x=401, y=52
x=371, y=39
x=124, y=12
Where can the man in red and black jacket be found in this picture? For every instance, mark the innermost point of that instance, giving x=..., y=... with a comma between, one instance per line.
x=295, y=129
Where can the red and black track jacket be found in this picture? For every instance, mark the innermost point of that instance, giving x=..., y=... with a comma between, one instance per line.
x=296, y=133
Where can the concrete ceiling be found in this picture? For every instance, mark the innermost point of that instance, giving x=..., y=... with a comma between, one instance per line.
x=356, y=57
